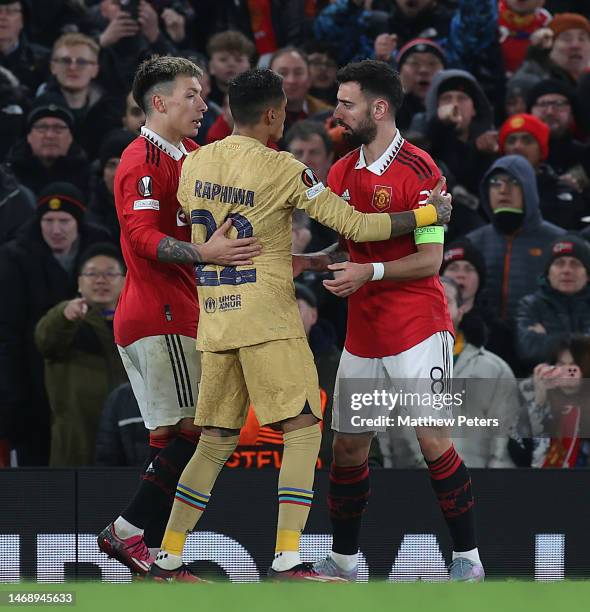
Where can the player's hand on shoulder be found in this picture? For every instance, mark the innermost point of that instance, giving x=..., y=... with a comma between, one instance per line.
x=76, y=309
x=224, y=251
x=348, y=277
x=442, y=201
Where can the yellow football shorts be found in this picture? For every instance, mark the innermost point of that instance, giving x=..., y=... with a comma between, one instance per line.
x=277, y=376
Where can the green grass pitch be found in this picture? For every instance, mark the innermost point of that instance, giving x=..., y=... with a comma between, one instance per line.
x=506, y=596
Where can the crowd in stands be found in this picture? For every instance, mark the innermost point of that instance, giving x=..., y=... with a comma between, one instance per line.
x=495, y=90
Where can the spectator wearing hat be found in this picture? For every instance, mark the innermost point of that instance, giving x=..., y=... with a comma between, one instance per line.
x=517, y=94
x=515, y=240
x=38, y=270
x=560, y=306
x=26, y=60
x=517, y=20
x=49, y=153
x=101, y=208
x=458, y=122
x=561, y=51
x=560, y=203
x=417, y=62
x=82, y=363
x=464, y=264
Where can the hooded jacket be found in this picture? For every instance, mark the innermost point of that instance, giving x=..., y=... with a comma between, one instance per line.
x=560, y=314
x=513, y=262
x=463, y=159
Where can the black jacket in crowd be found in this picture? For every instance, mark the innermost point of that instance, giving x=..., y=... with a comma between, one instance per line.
x=73, y=168
x=561, y=315
x=122, y=439
x=33, y=281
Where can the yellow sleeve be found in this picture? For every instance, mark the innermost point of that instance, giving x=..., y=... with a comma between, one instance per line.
x=307, y=193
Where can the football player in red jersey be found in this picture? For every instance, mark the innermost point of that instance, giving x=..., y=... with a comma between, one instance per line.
x=398, y=322
x=156, y=318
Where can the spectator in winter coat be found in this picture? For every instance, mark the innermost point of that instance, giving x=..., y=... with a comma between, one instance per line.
x=561, y=305
x=515, y=240
x=38, y=270
x=82, y=363
x=561, y=203
x=49, y=153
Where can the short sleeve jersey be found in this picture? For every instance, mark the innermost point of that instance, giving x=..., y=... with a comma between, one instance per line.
x=386, y=318
x=257, y=188
x=158, y=298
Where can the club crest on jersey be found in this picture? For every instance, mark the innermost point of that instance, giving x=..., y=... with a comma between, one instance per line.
x=381, y=197
x=181, y=219
x=144, y=186
x=309, y=178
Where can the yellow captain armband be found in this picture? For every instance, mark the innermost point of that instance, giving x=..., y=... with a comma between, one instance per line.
x=425, y=215
x=433, y=234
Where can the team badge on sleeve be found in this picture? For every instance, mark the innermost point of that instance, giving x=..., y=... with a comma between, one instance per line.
x=144, y=186
x=382, y=197
x=310, y=180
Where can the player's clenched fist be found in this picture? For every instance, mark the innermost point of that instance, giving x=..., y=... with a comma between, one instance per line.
x=441, y=201
x=76, y=309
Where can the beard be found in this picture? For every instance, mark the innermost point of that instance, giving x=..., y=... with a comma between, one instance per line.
x=364, y=134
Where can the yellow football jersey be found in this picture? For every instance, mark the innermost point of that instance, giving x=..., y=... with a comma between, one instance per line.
x=257, y=188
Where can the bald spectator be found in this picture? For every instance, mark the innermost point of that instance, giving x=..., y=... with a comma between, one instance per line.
x=26, y=60
x=561, y=202
x=49, y=153
x=292, y=64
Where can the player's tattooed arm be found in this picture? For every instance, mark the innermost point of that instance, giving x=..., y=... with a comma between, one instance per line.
x=437, y=211
x=402, y=223
x=171, y=250
x=219, y=249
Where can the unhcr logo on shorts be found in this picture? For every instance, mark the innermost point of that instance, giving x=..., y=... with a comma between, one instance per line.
x=210, y=305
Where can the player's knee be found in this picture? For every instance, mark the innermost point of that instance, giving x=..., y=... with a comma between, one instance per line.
x=433, y=447
x=350, y=450
x=298, y=422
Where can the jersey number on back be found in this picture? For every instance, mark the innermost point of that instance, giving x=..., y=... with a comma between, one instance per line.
x=229, y=275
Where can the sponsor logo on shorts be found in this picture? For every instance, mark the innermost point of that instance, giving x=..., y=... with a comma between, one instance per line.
x=146, y=204
x=210, y=305
x=144, y=186
x=382, y=197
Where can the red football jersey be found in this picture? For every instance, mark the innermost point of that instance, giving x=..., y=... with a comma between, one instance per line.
x=158, y=298
x=388, y=317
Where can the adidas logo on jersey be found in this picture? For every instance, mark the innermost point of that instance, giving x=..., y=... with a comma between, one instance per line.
x=345, y=195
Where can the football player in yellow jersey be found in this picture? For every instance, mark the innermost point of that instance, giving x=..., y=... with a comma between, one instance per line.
x=250, y=331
